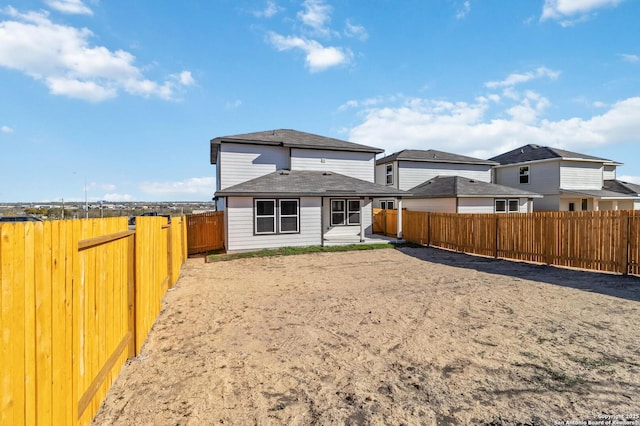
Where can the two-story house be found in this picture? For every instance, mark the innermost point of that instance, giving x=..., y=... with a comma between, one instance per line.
x=444, y=182
x=289, y=188
x=568, y=181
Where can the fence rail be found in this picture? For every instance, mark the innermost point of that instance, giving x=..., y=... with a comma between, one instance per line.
x=602, y=241
x=77, y=298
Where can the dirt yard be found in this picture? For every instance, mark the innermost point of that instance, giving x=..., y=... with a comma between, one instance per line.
x=396, y=336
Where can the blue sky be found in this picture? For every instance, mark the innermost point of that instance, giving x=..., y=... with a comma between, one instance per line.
x=122, y=97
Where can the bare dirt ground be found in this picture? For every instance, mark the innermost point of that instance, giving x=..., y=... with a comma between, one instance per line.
x=396, y=336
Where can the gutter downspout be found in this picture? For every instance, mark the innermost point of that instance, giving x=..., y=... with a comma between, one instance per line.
x=322, y=221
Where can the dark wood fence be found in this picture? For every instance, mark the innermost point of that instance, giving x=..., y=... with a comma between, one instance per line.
x=205, y=232
x=601, y=241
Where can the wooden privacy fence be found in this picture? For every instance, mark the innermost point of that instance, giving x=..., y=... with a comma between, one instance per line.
x=77, y=299
x=205, y=232
x=601, y=241
x=385, y=222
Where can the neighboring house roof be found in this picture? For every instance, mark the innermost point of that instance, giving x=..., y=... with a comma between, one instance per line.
x=599, y=193
x=290, y=138
x=299, y=183
x=622, y=187
x=458, y=186
x=532, y=152
x=433, y=156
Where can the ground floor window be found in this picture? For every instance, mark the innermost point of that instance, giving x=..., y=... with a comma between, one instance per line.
x=273, y=216
x=507, y=206
x=387, y=204
x=345, y=212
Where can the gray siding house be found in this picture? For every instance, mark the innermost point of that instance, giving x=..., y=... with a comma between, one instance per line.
x=290, y=188
x=456, y=194
x=568, y=181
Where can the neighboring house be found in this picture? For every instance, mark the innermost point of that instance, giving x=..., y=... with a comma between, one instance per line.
x=456, y=194
x=568, y=181
x=289, y=188
x=411, y=167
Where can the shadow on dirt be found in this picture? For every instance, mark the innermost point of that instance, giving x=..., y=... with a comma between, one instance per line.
x=625, y=287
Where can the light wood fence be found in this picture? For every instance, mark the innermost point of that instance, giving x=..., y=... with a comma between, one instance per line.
x=77, y=299
x=205, y=232
x=601, y=241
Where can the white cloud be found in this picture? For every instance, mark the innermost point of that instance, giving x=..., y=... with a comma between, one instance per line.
x=463, y=10
x=118, y=197
x=355, y=31
x=233, y=104
x=69, y=6
x=270, y=10
x=571, y=12
x=630, y=179
x=318, y=57
x=190, y=189
x=6, y=129
x=630, y=58
x=516, y=78
x=63, y=58
x=316, y=15
x=476, y=129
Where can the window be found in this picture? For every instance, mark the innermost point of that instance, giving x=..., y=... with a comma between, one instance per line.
x=389, y=174
x=524, y=174
x=572, y=207
x=265, y=216
x=387, y=204
x=289, y=216
x=585, y=204
x=353, y=212
x=504, y=206
x=286, y=216
x=345, y=212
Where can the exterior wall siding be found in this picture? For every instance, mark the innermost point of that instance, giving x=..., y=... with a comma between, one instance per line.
x=413, y=173
x=609, y=172
x=240, y=226
x=544, y=178
x=547, y=203
x=241, y=162
x=476, y=205
x=359, y=165
x=441, y=205
x=580, y=175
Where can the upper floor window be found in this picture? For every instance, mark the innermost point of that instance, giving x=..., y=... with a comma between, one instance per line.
x=524, y=174
x=389, y=174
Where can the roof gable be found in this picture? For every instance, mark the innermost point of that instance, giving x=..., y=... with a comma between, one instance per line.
x=433, y=156
x=533, y=152
x=292, y=139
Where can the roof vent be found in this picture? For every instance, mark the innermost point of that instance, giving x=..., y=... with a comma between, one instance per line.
x=472, y=181
x=326, y=173
x=284, y=172
x=435, y=156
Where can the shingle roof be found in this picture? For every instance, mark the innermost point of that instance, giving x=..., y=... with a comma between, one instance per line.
x=599, y=193
x=458, y=186
x=309, y=183
x=290, y=138
x=622, y=187
x=536, y=152
x=433, y=156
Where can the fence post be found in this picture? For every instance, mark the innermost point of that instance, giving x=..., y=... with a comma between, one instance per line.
x=428, y=229
x=170, y=256
x=624, y=242
x=549, y=240
x=497, y=236
x=131, y=291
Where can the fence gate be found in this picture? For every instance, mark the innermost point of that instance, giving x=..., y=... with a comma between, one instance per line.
x=205, y=232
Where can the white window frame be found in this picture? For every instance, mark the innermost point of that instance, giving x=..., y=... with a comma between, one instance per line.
x=388, y=204
x=524, y=172
x=507, y=205
x=280, y=215
x=513, y=200
x=256, y=216
x=349, y=212
x=346, y=220
x=389, y=174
